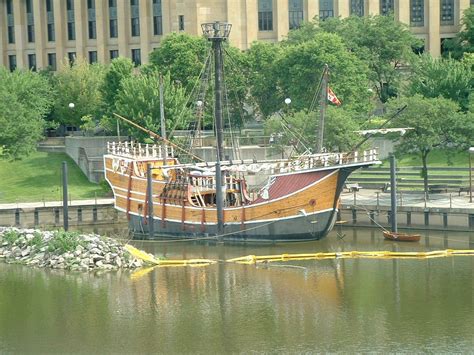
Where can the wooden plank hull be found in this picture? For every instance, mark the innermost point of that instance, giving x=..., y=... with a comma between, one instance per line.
x=292, y=212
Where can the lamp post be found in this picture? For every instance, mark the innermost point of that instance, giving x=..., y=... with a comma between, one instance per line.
x=218, y=32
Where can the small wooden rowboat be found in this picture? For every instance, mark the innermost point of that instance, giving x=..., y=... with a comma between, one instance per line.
x=401, y=237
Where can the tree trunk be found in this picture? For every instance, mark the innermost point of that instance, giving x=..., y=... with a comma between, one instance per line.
x=424, y=171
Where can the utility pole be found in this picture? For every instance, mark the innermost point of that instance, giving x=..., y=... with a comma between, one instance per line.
x=323, y=107
x=218, y=32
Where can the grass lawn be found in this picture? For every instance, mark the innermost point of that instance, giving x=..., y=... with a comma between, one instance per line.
x=38, y=177
x=437, y=158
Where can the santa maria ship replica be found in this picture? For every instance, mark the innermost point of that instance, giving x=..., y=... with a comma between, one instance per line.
x=164, y=198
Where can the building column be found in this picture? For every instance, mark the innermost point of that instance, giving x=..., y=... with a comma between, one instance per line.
x=433, y=25
x=251, y=23
x=146, y=29
x=463, y=5
x=60, y=29
x=402, y=11
x=123, y=7
x=166, y=16
x=373, y=7
x=3, y=39
x=101, y=27
x=19, y=14
x=81, y=24
x=311, y=9
x=341, y=8
x=282, y=19
x=40, y=33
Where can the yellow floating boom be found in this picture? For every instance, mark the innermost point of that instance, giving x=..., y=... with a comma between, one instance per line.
x=150, y=259
x=254, y=259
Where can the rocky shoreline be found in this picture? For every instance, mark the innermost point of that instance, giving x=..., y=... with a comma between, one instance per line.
x=64, y=250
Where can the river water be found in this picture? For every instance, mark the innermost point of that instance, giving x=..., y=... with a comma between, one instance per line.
x=340, y=305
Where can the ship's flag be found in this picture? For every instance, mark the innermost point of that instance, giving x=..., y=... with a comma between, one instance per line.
x=333, y=98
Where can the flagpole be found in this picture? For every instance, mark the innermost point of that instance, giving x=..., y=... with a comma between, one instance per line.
x=323, y=105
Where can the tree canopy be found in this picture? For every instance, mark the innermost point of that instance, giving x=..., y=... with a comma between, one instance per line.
x=436, y=123
x=25, y=99
x=446, y=77
x=80, y=84
x=464, y=40
x=139, y=100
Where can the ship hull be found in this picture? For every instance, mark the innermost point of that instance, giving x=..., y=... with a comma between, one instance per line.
x=295, y=229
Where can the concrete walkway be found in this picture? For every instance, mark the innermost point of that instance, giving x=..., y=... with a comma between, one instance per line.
x=28, y=205
x=367, y=197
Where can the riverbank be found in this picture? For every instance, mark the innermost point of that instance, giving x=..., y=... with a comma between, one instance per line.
x=64, y=250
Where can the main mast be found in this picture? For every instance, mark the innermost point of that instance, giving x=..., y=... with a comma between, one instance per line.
x=218, y=32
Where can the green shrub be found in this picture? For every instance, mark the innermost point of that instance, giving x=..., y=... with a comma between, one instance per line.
x=36, y=241
x=10, y=236
x=63, y=242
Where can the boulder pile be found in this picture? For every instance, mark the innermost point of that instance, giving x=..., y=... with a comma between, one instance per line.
x=64, y=250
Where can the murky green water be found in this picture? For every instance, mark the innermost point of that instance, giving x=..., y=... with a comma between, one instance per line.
x=343, y=305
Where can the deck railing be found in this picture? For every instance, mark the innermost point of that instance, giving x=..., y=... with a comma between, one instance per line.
x=139, y=150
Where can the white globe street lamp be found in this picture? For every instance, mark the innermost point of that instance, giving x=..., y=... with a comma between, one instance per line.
x=287, y=101
x=71, y=105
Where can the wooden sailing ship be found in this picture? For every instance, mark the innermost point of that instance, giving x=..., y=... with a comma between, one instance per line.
x=165, y=198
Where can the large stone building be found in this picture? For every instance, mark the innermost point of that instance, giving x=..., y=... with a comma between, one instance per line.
x=39, y=33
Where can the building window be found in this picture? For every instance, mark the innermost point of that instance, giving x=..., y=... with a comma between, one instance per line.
x=12, y=62
x=265, y=15
x=32, y=62
x=136, y=57
x=52, y=61
x=446, y=12
x=92, y=57
x=113, y=24
x=386, y=7
x=71, y=25
x=135, y=18
x=10, y=22
x=326, y=9
x=50, y=20
x=91, y=19
x=181, y=22
x=357, y=7
x=114, y=53
x=295, y=11
x=30, y=21
x=157, y=18
x=417, y=13
x=71, y=56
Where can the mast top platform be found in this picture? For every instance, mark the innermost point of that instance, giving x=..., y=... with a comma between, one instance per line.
x=216, y=30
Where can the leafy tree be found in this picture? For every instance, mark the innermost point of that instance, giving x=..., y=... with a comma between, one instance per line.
x=437, y=123
x=25, y=99
x=263, y=77
x=433, y=77
x=381, y=42
x=464, y=40
x=138, y=99
x=300, y=67
x=299, y=129
x=119, y=69
x=183, y=56
x=78, y=84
